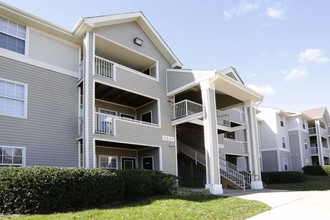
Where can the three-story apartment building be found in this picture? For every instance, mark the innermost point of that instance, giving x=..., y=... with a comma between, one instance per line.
x=291, y=140
x=111, y=94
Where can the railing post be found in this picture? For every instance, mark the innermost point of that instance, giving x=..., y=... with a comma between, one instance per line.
x=186, y=108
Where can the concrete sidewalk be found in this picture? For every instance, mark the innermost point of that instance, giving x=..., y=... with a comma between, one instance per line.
x=288, y=204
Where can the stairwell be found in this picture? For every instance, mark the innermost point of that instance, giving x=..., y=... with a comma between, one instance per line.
x=230, y=176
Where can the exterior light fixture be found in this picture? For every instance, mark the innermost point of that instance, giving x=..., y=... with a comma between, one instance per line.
x=138, y=41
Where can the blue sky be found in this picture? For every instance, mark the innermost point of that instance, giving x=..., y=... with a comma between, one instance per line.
x=280, y=48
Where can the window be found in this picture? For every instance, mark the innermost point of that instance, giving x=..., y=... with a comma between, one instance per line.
x=303, y=125
x=108, y=162
x=281, y=121
x=285, y=164
x=12, y=36
x=127, y=116
x=305, y=143
x=283, y=142
x=230, y=135
x=12, y=156
x=12, y=98
x=152, y=71
x=146, y=117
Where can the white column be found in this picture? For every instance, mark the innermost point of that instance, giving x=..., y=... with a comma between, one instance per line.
x=213, y=182
x=86, y=103
x=319, y=141
x=254, y=148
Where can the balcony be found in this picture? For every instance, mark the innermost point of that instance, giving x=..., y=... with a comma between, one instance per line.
x=186, y=108
x=104, y=67
x=312, y=130
x=314, y=150
x=223, y=119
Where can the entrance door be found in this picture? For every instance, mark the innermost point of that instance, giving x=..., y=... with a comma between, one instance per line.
x=147, y=163
x=128, y=163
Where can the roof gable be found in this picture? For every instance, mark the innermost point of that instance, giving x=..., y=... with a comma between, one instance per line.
x=232, y=73
x=86, y=24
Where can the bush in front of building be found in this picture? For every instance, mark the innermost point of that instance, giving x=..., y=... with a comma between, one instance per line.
x=146, y=182
x=317, y=170
x=283, y=177
x=29, y=190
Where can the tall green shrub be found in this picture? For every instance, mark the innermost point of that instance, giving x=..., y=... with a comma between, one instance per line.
x=315, y=170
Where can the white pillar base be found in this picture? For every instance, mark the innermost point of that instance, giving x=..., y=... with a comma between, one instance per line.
x=256, y=185
x=215, y=189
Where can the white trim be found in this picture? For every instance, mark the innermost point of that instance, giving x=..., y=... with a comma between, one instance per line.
x=86, y=102
x=25, y=99
x=23, y=155
x=287, y=164
x=159, y=114
x=27, y=42
x=130, y=158
x=118, y=148
x=79, y=154
x=153, y=163
x=94, y=155
x=161, y=158
x=114, y=157
x=300, y=151
x=93, y=56
x=176, y=152
x=24, y=59
x=276, y=149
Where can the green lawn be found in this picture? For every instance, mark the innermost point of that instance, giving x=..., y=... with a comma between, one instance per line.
x=312, y=183
x=169, y=207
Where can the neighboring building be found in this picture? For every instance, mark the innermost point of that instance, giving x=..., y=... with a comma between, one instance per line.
x=111, y=94
x=289, y=140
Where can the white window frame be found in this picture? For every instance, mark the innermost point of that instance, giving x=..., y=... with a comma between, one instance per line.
x=109, y=156
x=285, y=163
x=25, y=98
x=16, y=36
x=108, y=111
x=305, y=143
x=145, y=114
x=283, y=142
x=23, y=156
x=281, y=121
x=130, y=158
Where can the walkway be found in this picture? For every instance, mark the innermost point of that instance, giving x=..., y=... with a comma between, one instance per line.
x=288, y=204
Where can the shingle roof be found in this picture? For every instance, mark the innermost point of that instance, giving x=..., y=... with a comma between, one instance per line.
x=316, y=113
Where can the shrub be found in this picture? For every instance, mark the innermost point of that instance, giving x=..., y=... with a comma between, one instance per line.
x=316, y=170
x=283, y=177
x=28, y=190
x=54, y=189
x=146, y=182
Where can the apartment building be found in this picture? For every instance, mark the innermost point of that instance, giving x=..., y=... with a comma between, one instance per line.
x=111, y=94
x=291, y=140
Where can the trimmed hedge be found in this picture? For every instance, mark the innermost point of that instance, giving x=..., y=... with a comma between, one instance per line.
x=283, y=177
x=28, y=190
x=317, y=170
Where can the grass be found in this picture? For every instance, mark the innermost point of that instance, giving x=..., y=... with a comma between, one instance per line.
x=312, y=183
x=168, y=207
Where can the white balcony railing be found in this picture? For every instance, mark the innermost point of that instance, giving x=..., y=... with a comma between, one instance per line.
x=312, y=130
x=223, y=119
x=314, y=150
x=104, y=123
x=104, y=67
x=185, y=108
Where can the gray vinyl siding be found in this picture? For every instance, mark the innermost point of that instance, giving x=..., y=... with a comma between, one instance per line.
x=128, y=132
x=50, y=130
x=52, y=51
x=267, y=136
x=269, y=161
x=285, y=154
x=306, y=152
x=232, y=147
x=153, y=107
x=176, y=79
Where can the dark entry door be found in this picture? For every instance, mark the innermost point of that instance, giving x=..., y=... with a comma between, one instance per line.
x=147, y=163
x=128, y=163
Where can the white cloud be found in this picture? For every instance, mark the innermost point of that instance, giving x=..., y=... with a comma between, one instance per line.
x=243, y=8
x=264, y=90
x=296, y=73
x=313, y=56
x=277, y=11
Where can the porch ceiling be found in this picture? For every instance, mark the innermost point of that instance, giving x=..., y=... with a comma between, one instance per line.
x=119, y=96
x=120, y=145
